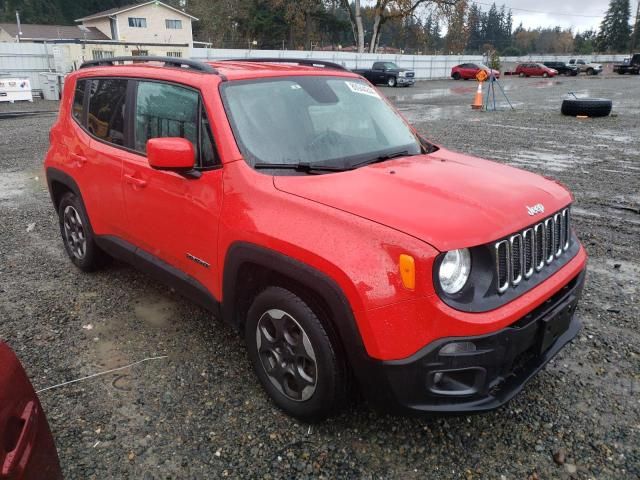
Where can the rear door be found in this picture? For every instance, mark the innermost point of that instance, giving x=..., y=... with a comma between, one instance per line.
x=169, y=216
x=27, y=449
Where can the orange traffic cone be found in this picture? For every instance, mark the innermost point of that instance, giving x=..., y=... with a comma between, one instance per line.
x=477, y=102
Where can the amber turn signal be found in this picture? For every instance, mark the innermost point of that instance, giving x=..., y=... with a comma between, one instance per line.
x=408, y=271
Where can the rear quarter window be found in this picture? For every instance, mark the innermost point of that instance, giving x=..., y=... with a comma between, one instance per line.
x=77, y=109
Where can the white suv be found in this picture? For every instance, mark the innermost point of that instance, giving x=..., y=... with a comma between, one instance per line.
x=586, y=67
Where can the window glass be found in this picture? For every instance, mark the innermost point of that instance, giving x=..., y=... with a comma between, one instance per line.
x=78, y=100
x=208, y=156
x=164, y=110
x=137, y=22
x=174, y=24
x=174, y=54
x=106, y=109
x=99, y=54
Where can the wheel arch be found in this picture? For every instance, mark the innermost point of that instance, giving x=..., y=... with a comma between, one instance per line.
x=60, y=183
x=248, y=268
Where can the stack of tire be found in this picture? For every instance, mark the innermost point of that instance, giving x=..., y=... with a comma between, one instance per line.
x=587, y=107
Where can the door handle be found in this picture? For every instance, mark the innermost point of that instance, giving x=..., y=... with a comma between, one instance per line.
x=136, y=182
x=80, y=160
x=24, y=444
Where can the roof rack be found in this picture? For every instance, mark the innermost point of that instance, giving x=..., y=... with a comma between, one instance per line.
x=308, y=62
x=168, y=62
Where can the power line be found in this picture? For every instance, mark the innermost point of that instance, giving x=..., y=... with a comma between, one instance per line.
x=540, y=11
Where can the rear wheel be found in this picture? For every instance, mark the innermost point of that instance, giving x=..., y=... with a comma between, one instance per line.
x=77, y=234
x=391, y=81
x=456, y=76
x=293, y=355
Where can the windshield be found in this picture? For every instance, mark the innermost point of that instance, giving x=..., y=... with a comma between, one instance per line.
x=333, y=121
x=390, y=66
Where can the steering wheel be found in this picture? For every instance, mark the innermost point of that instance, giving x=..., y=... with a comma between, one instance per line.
x=330, y=136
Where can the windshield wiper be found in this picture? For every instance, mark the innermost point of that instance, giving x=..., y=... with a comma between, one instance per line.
x=382, y=158
x=299, y=167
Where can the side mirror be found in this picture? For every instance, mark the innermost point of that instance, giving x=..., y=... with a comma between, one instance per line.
x=171, y=153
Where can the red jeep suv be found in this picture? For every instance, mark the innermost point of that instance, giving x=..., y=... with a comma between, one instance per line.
x=293, y=201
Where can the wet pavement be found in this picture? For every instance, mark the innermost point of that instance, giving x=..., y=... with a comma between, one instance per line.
x=196, y=409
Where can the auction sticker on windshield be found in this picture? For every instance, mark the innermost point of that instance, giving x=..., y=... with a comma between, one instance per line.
x=362, y=89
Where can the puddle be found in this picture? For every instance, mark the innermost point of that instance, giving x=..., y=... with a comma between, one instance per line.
x=157, y=312
x=556, y=162
x=16, y=184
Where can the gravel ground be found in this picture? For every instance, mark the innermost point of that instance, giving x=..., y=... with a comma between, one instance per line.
x=199, y=413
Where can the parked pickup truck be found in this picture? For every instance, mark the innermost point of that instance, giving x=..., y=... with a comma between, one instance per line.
x=586, y=67
x=388, y=73
x=631, y=66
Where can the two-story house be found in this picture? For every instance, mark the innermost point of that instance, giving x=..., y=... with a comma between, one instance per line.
x=151, y=22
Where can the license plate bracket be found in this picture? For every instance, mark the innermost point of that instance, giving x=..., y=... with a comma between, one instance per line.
x=555, y=324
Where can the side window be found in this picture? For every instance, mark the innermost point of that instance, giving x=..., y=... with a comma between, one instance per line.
x=107, y=108
x=78, y=101
x=164, y=110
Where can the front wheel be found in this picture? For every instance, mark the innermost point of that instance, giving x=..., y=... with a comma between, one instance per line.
x=391, y=81
x=545, y=75
x=293, y=355
x=591, y=71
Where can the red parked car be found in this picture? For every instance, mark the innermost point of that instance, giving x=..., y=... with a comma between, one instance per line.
x=294, y=202
x=27, y=449
x=468, y=71
x=535, y=70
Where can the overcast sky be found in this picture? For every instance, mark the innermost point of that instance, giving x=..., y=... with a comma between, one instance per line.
x=579, y=14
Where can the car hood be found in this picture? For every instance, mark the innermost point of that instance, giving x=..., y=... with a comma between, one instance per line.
x=446, y=199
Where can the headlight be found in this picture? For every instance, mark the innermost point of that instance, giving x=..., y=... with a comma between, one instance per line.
x=402, y=74
x=454, y=270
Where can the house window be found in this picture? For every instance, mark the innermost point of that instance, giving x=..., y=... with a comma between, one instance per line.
x=173, y=24
x=137, y=22
x=174, y=54
x=139, y=53
x=100, y=54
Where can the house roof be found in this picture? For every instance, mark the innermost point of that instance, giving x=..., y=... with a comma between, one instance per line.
x=115, y=11
x=53, y=32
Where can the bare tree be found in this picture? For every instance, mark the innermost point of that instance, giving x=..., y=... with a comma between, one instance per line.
x=355, y=17
x=388, y=9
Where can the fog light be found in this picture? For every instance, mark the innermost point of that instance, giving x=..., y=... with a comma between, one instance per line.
x=458, y=347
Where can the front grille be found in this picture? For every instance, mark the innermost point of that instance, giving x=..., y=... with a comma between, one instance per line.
x=410, y=74
x=531, y=250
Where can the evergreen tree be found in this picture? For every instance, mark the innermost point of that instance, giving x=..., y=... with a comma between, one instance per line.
x=615, y=31
x=474, y=28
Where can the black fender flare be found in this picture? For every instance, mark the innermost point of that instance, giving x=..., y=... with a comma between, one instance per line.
x=342, y=318
x=56, y=175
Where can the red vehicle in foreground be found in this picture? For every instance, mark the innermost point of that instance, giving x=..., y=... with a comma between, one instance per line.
x=535, y=70
x=468, y=71
x=295, y=203
x=27, y=449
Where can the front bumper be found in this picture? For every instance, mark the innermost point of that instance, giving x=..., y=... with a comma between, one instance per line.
x=406, y=81
x=482, y=379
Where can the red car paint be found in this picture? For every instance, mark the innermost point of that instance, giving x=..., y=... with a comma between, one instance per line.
x=27, y=449
x=351, y=226
x=535, y=70
x=468, y=71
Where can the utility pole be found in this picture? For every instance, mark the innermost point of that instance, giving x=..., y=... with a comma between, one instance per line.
x=19, y=27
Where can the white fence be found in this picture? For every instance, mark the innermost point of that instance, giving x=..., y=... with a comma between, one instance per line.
x=31, y=59
x=27, y=60
x=425, y=66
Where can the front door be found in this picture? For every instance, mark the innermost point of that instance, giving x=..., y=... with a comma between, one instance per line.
x=170, y=216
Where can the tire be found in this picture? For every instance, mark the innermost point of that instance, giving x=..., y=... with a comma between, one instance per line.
x=77, y=235
x=456, y=76
x=545, y=75
x=591, y=71
x=522, y=75
x=590, y=107
x=392, y=82
x=294, y=356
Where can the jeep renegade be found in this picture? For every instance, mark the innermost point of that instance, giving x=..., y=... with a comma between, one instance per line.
x=293, y=201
